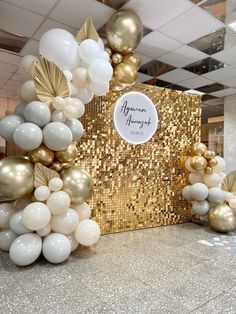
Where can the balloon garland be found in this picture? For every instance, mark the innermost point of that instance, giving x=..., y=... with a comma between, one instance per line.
x=206, y=174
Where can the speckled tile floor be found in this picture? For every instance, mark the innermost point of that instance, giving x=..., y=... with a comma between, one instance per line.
x=173, y=269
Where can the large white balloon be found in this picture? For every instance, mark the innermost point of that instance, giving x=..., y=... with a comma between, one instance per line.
x=212, y=179
x=26, y=249
x=57, y=136
x=36, y=216
x=60, y=46
x=99, y=89
x=6, y=238
x=220, y=167
x=199, y=191
x=87, y=232
x=66, y=223
x=83, y=209
x=80, y=77
x=201, y=208
x=28, y=136
x=84, y=94
x=186, y=192
x=89, y=50
x=37, y=112
x=56, y=248
x=195, y=177
x=76, y=128
x=216, y=195
x=6, y=211
x=28, y=91
x=8, y=125
x=74, y=243
x=100, y=71
x=16, y=223
x=58, y=203
x=20, y=109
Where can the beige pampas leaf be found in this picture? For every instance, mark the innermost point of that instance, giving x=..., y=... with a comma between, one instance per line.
x=42, y=175
x=87, y=31
x=49, y=81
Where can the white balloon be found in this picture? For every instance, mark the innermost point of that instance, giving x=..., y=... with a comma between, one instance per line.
x=22, y=202
x=99, y=89
x=89, y=50
x=88, y=232
x=74, y=243
x=66, y=223
x=216, y=195
x=6, y=238
x=60, y=46
x=70, y=112
x=58, y=103
x=56, y=248
x=42, y=193
x=44, y=231
x=6, y=211
x=84, y=94
x=100, y=71
x=76, y=128
x=58, y=116
x=188, y=166
x=37, y=112
x=16, y=223
x=104, y=55
x=199, y=191
x=20, y=109
x=27, y=65
x=83, y=209
x=55, y=184
x=36, y=216
x=232, y=203
x=28, y=136
x=26, y=249
x=228, y=196
x=186, y=192
x=28, y=91
x=201, y=208
x=68, y=75
x=212, y=179
x=195, y=178
x=80, y=77
x=222, y=175
x=57, y=136
x=78, y=104
x=220, y=167
x=100, y=44
x=8, y=125
x=73, y=90
x=58, y=203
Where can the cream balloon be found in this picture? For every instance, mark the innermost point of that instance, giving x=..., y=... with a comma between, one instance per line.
x=42, y=193
x=212, y=180
x=220, y=167
x=7, y=236
x=44, y=231
x=36, y=216
x=58, y=116
x=55, y=184
x=66, y=223
x=228, y=196
x=84, y=94
x=84, y=210
x=201, y=208
x=57, y=136
x=38, y=113
x=199, y=191
x=27, y=65
x=56, y=248
x=25, y=249
x=88, y=232
x=6, y=211
x=58, y=203
x=74, y=243
x=28, y=136
x=216, y=195
x=232, y=202
x=16, y=223
x=58, y=103
x=8, y=125
x=28, y=91
x=78, y=104
x=76, y=128
x=80, y=77
x=195, y=177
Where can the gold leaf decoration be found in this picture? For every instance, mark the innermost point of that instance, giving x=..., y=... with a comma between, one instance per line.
x=49, y=81
x=42, y=175
x=87, y=31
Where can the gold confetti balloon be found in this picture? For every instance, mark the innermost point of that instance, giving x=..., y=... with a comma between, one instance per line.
x=198, y=149
x=198, y=163
x=42, y=155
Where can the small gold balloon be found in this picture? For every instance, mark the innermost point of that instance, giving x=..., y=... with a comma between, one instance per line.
x=68, y=154
x=222, y=218
x=42, y=155
x=108, y=50
x=198, y=149
x=212, y=162
x=209, y=170
x=116, y=58
x=133, y=58
x=115, y=86
x=16, y=177
x=56, y=165
x=125, y=73
x=198, y=163
x=208, y=154
x=182, y=161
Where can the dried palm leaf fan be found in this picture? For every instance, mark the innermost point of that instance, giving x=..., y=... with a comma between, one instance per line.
x=49, y=81
x=86, y=31
x=42, y=175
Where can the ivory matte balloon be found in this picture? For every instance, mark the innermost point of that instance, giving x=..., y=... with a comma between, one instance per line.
x=100, y=71
x=212, y=179
x=195, y=178
x=76, y=128
x=232, y=203
x=216, y=195
x=83, y=209
x=16, y=223
x=44, y=231
x=6, y=211
x=228, y=196
x=58, y=103
x=201, y=208
x=58, y=116
x=70, y=112
x=36, y=216
x=26, y=249
x=74, y=243
x=42, y=193
x=27, y=65
x=8, y=125
x=78, y=104
x=55, y=184
x=57, y=136
x=20, y=109
x=37, y=112
x=84, y=94
x=7, y=236
x=199, y=191
x=58, y=203
x=186, y=192
x=66, y=223
x=56, y=248
x=80, y=77
x=220, y=167
x=88, y=232
x=28, y=91
x=28, y=136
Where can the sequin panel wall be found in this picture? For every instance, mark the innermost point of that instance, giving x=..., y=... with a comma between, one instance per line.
x=138, y=186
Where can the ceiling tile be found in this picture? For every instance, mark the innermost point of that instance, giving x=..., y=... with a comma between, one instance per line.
x=191, y=25
x=195, y=82
x=204, y=66
x=157, y=82
x=13, y=83
x=221, y=74
x=38, y=6
x=176, y=76
x=5, y=75
x=211, y=88
x=17, y=20
x=155, y=68
x=225, y=92
x=17, y=77
x=7, y=57
x=144, y=59
x=182, y=56
x=218, y=8
x=230, y=82
x=214, y=101
x=73, y=12
x=227, y=56
x=155, y=13
x=115, y=4
x=8, y=67
x=143, y=77
x=31, y=48
x=156, y=44
x=49, y=24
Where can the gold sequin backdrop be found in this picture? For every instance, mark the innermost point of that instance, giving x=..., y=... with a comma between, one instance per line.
x=138, y=186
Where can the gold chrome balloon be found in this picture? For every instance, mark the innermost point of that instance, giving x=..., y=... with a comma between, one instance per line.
x=198, y=163
x=212, y=162
x=116, y=58
x=56, y=165
x=209, y=170
x=198, y=149
x=124, y=31
x=125, y=73
x=133, y=58
x=16, y=177
x=42, y=155
x=115, y=86
x=208, y=154
x=68, y=154
x=77, y=183
x=222, y=218
x=108, y=50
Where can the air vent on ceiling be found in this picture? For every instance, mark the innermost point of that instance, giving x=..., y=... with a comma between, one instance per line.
x=12, y=42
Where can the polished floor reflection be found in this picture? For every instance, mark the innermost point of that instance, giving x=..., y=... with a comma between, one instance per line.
x=174, y=269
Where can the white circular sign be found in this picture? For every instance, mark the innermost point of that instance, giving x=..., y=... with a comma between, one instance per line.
x=135, y=118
